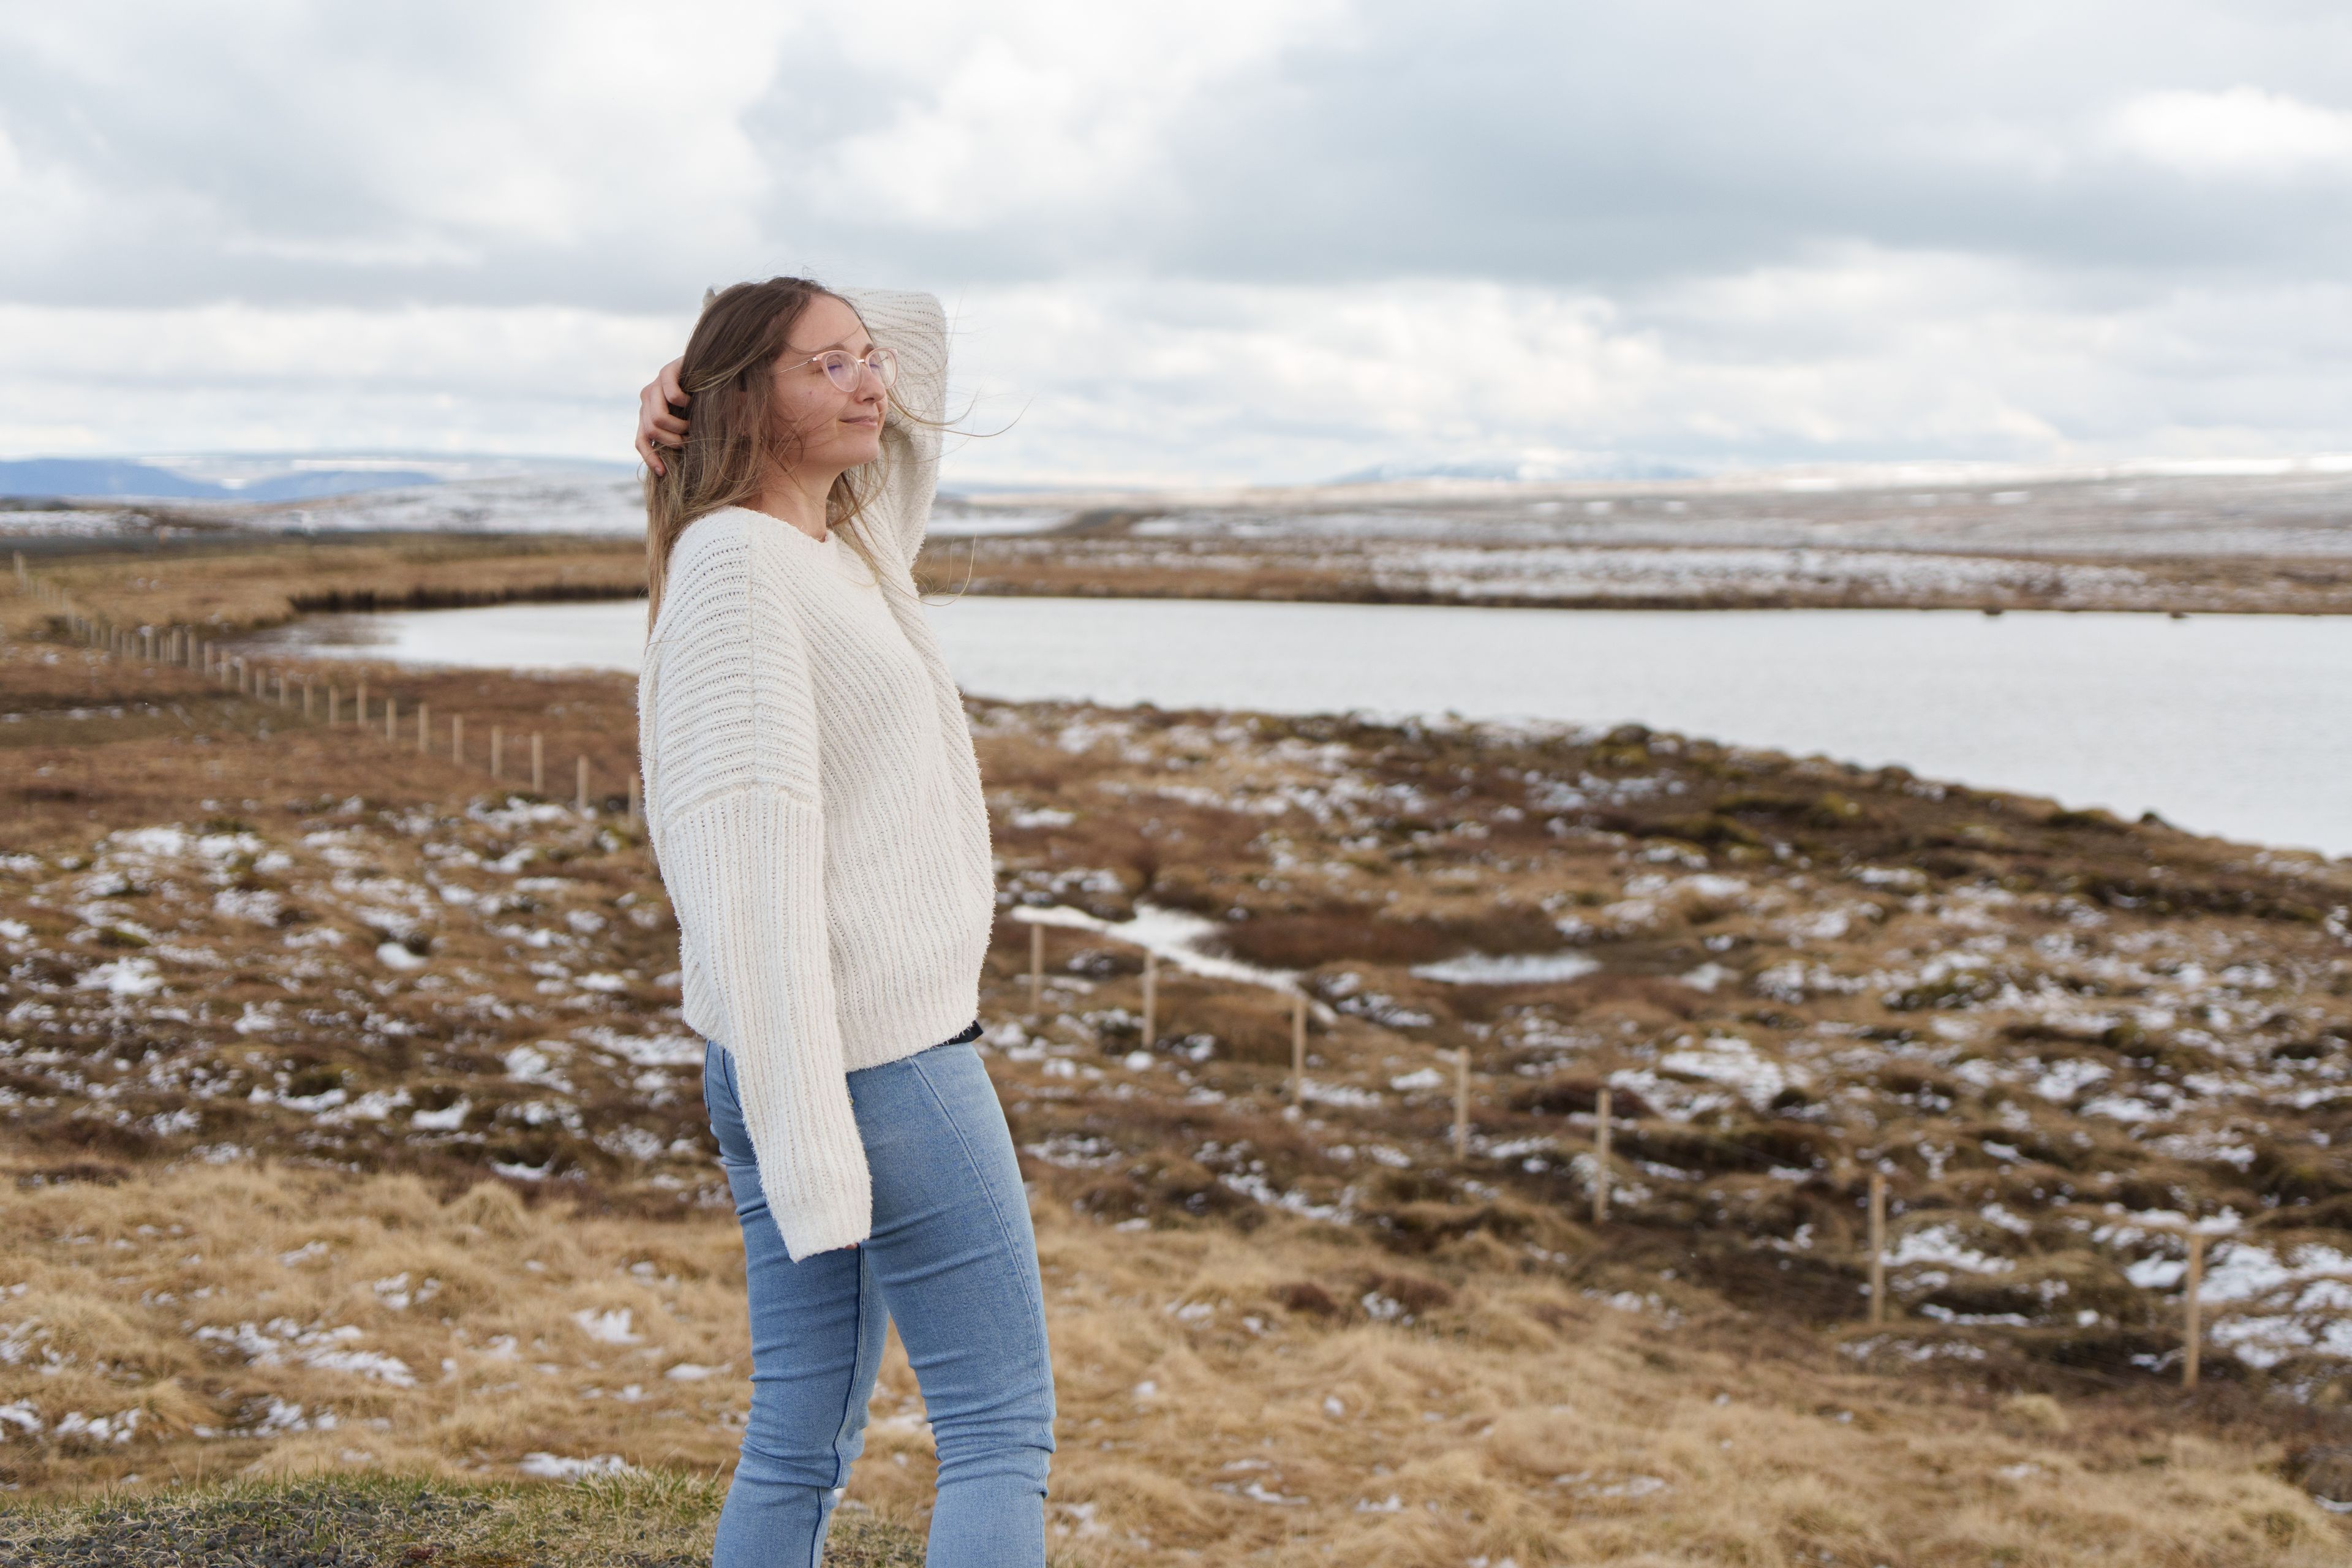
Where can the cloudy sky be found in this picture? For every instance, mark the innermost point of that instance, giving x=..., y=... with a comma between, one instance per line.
x=1234, y=240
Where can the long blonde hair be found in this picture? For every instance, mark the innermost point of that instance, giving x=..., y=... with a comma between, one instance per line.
x=734, y=439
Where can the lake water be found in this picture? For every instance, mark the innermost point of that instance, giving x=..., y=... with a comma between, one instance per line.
x=2240, y=725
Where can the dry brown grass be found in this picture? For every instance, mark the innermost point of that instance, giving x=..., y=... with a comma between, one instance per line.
x=226, y=580
x=1346, y=571
x=181, y=569
x=1509, y=1417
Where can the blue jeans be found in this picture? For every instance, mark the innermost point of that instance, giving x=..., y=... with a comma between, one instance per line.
x=953, y=1261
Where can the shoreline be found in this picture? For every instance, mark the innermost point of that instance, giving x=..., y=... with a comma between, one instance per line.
x=252, y=582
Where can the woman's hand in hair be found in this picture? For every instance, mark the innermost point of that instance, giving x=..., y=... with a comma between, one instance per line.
x=655, y=422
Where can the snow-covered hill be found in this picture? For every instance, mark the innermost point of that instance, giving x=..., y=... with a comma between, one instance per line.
x=2299, y=508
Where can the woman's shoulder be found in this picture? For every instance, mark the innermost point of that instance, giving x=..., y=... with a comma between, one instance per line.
x=710, y=564
x=731, y=562
x=714, y=532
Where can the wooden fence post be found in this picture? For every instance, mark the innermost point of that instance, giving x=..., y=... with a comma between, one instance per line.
x=1877, y=1247
x=1297, y=1047
x=1036, y=967
x=580, y=787
x=424, y=730
x=498, y=754
x=359, y=705
x=1460, y=1102
x=537, y=773
x=2193, y=1334
x=636, y=813
x=457, y=738
x=391, y=718
x=1601, y=1157
x=1150, y=985
x=334, y=701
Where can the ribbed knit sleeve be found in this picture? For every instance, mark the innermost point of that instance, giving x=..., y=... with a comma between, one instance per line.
x=914, y=327
x=742, y=848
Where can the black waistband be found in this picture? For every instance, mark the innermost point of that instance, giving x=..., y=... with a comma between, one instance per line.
x=970, y=1031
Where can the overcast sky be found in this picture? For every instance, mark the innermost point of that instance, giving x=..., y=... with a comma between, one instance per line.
x=1234, y=240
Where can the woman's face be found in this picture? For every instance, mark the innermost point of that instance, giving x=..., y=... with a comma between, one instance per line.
x=836, y=429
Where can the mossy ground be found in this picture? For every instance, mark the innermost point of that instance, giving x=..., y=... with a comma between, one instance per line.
x=386, y=1521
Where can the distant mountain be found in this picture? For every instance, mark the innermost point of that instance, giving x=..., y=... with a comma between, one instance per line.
x=100, y=477
x=315, y=484
x=1524, y=471
x=131, y=478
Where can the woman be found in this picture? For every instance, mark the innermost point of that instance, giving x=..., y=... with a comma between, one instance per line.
x=812, y=797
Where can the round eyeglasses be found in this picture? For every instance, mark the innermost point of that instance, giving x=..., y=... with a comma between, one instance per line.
x=841, y=367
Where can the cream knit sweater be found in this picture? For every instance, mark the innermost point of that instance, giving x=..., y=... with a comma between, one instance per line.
x=815, y=803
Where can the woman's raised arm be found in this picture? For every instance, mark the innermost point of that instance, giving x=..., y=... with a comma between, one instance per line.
x=913, y=326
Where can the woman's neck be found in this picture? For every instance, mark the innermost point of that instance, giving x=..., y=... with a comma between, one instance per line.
x=798, y=498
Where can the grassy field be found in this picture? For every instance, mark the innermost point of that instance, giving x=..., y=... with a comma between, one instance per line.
x=155, y=564
x=359, y=1166
x=226, y=579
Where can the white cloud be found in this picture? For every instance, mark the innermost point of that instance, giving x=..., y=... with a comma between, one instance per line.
x=420, y=136
x=1249, y=238
x=1857, y=353
x=1012, y=112
x=1860, y=351
x=552, y=379
x=2241, y=131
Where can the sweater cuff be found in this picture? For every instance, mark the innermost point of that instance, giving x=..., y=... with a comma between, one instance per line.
x=845, y=1213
